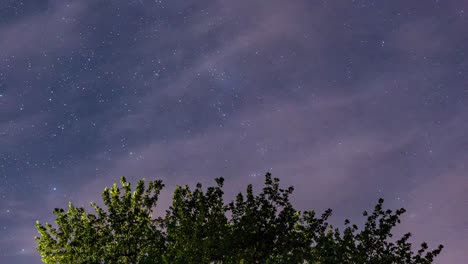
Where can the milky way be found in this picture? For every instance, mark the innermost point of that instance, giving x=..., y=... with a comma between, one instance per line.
x=346, y=100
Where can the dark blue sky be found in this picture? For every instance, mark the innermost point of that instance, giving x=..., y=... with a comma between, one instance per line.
x=346, y=100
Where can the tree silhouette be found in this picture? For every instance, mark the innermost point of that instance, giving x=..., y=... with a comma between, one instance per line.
x=199, y=227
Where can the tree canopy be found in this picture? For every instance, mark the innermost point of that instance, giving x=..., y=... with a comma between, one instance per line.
x=200, y=227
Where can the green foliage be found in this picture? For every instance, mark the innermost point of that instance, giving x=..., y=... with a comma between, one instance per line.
x=124, y=233
x=200, y=227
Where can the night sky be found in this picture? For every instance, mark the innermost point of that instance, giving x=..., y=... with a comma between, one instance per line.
x=346, y=100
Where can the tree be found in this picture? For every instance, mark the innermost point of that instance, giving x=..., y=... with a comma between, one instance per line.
x=199, y=227
x=124, y=233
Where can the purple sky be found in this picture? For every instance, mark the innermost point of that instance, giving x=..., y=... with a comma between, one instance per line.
x=346, y=100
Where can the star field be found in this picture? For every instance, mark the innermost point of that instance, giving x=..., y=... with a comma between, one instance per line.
x=346, y=100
